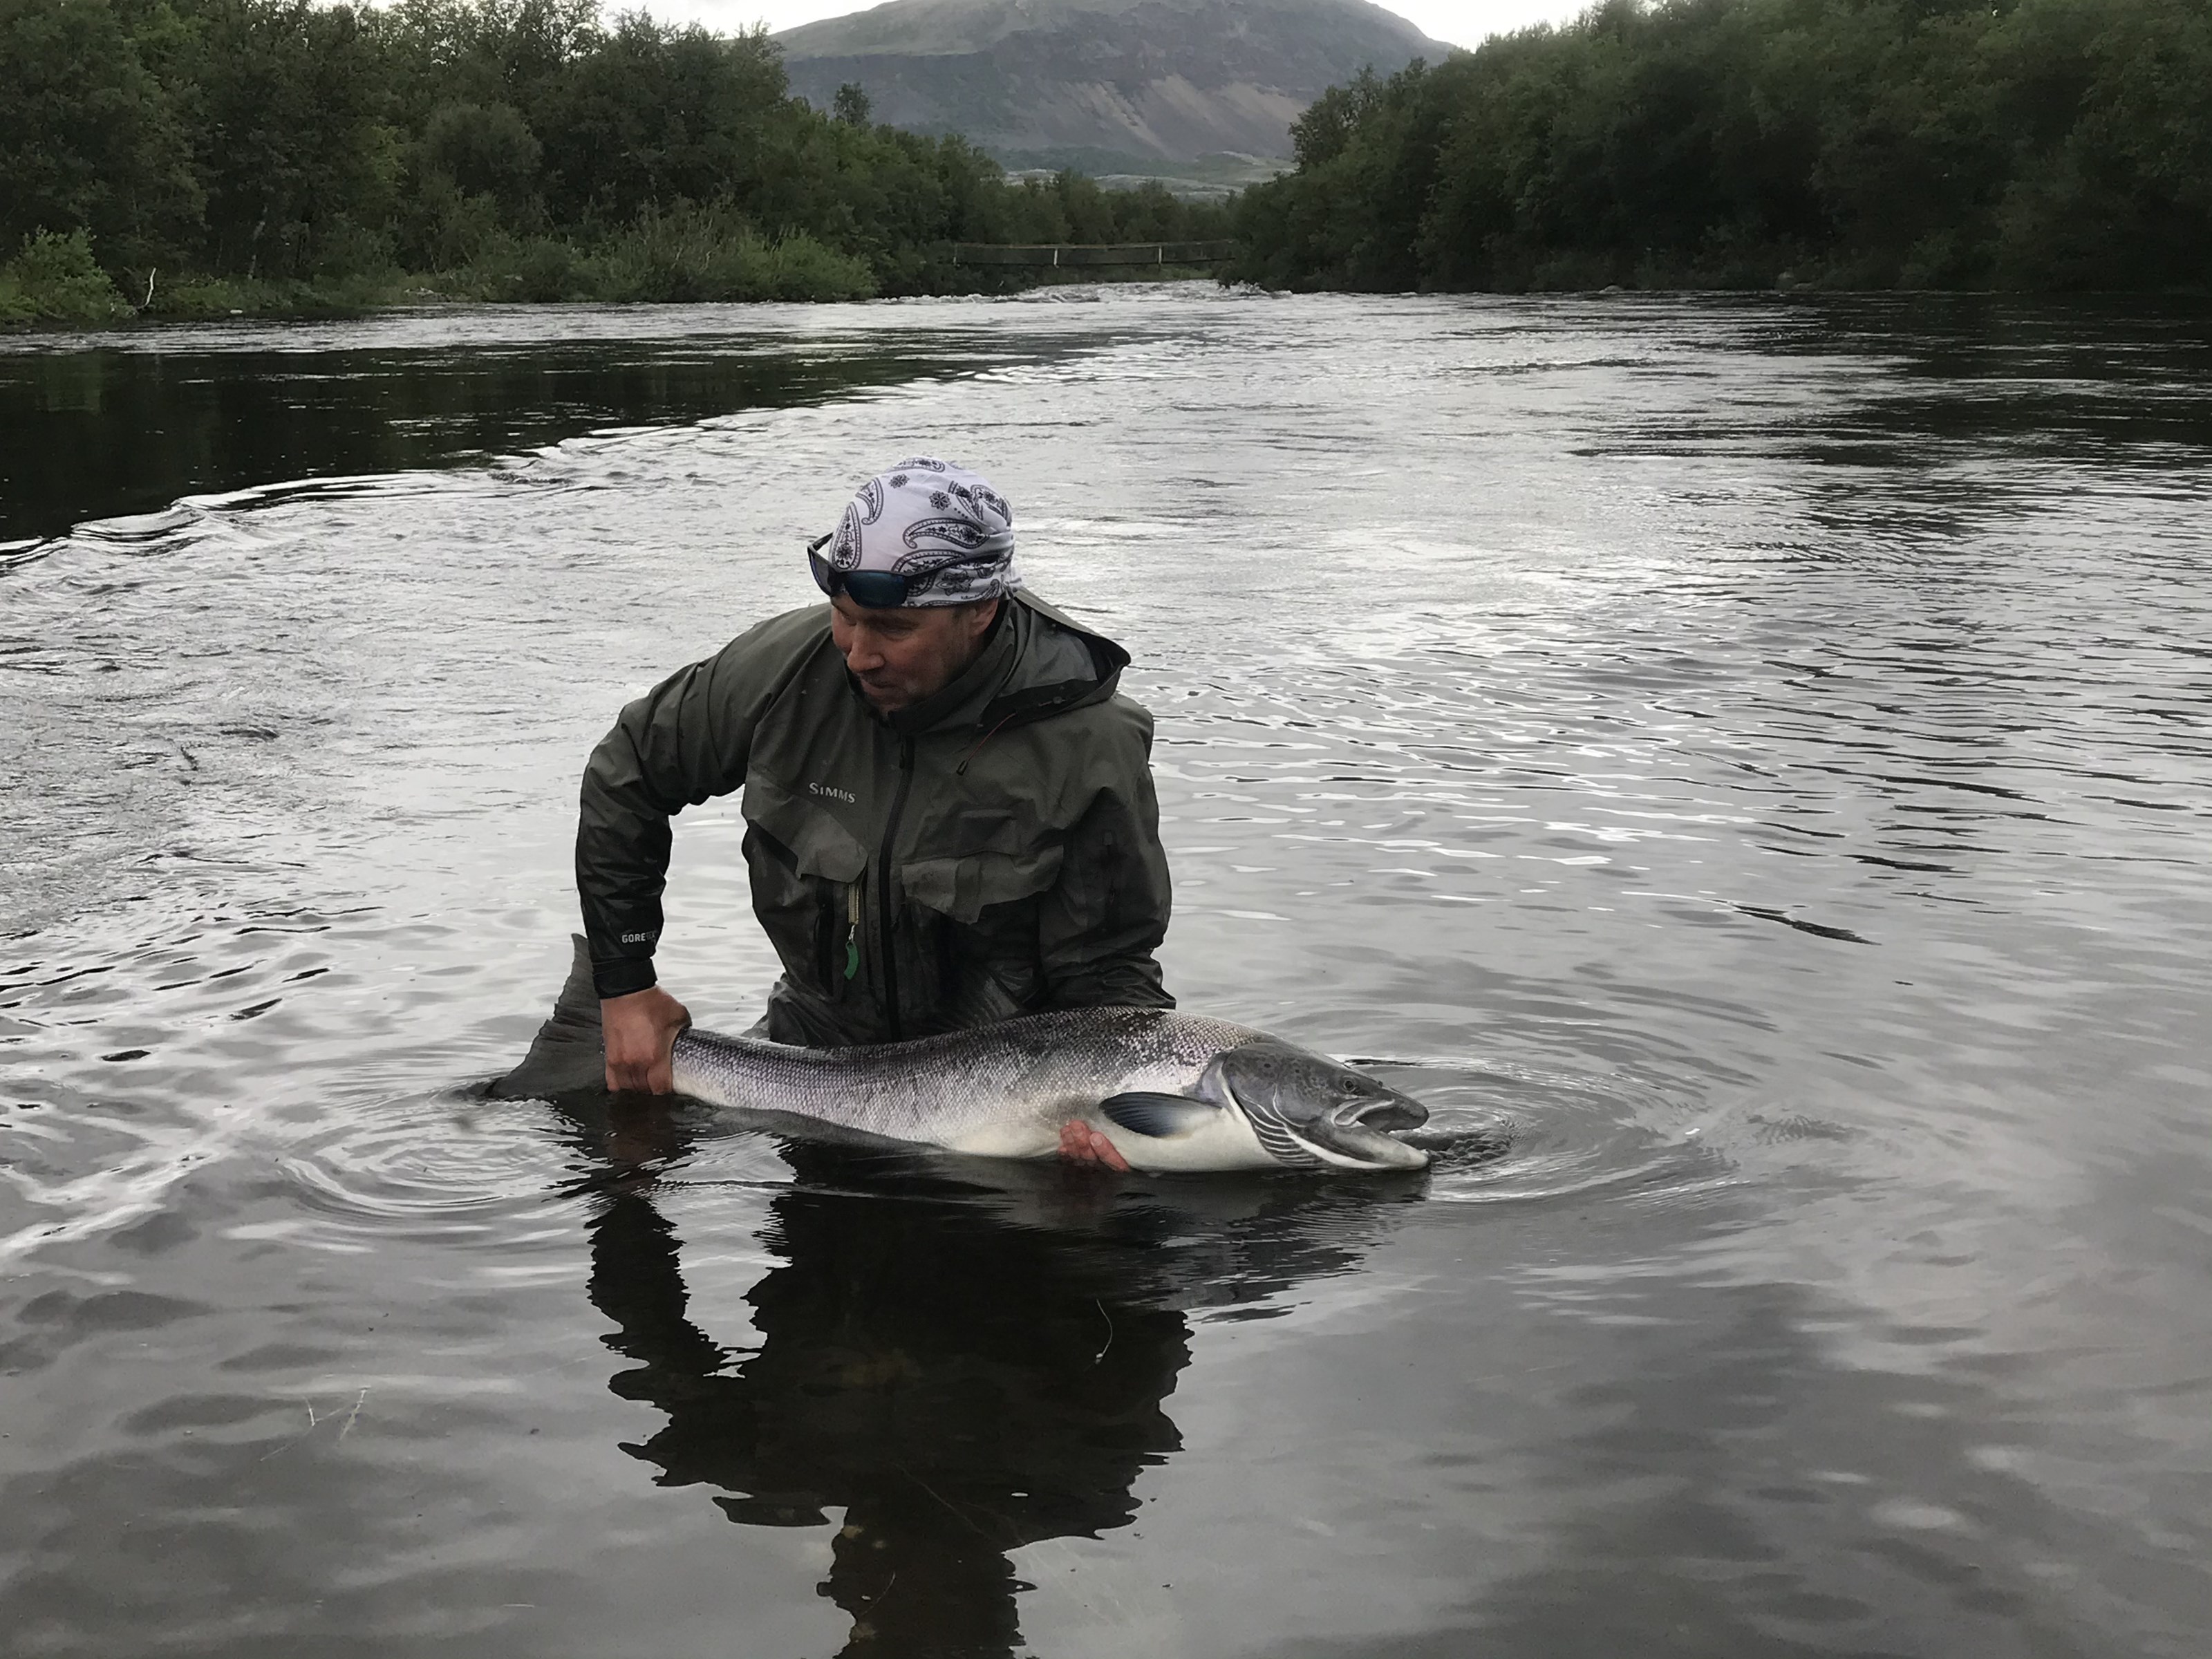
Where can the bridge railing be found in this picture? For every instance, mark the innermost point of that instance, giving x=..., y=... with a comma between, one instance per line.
x=1092, y=254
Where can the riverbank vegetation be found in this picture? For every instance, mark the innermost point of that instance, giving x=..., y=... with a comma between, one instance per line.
x=197, y=157
x=2036, y=144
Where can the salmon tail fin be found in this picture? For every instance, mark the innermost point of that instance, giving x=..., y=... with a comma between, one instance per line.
x=567, y=1055
x=578, y=1005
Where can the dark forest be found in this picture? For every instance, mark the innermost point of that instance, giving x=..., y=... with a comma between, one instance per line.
x=2032, y=144
x=188, y=156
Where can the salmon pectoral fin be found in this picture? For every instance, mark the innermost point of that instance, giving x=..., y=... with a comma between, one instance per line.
x=1158, y=1115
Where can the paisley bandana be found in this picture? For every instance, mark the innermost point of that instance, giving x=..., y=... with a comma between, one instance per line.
x=941, y=527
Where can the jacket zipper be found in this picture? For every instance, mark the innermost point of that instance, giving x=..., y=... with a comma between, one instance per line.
x=884, y=890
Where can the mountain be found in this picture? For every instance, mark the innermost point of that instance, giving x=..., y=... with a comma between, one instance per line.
x=1138, y=79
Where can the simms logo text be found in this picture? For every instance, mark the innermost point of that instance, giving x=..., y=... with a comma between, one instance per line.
x=831, y=790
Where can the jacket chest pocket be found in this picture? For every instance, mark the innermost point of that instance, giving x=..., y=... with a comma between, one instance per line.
x=962, y=886
x=806, y=869
x=982, y=914
x=968, y=859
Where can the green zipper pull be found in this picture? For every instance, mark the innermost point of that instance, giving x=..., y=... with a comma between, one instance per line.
x=852, y=930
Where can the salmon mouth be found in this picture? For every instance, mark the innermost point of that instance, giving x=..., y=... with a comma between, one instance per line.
x=1362, y=1135
x=1387, y=1114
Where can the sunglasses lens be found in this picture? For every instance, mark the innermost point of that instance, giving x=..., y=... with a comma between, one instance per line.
x=876, y=589
x=879, y=590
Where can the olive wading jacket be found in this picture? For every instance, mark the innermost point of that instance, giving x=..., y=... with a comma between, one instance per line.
x=990, y=852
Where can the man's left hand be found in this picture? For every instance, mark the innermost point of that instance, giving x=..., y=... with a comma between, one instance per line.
x=1081, y=1144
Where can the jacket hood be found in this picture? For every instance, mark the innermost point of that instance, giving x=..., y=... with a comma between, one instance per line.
x=1036, y=663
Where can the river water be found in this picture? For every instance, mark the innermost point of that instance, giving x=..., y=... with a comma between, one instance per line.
x=1755, y=750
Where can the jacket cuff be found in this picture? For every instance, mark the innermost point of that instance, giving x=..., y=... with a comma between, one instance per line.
x=622, y=976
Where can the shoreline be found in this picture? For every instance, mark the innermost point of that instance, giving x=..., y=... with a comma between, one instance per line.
x=323, y=308
x=354, y=299
x=344, y=301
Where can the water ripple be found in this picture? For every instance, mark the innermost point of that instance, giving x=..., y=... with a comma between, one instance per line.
x=1746, y=757
x=448, y=1169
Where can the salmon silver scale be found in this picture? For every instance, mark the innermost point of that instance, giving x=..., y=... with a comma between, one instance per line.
x=1171, y=1091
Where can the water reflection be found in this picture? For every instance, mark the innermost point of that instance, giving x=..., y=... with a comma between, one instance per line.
x=963, y=1370
x=100, y=434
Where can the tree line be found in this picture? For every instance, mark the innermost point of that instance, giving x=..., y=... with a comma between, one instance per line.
x=2032, y=144
x=208, y=154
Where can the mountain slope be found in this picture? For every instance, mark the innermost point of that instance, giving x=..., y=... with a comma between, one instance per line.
x=1170, y=79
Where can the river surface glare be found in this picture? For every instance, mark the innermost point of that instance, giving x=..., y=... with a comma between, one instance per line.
x=1757, y=750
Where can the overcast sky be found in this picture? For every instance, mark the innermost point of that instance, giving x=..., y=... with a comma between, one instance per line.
x=1462, y=23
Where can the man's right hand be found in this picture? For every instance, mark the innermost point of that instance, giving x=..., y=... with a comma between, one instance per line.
x=640, y=1031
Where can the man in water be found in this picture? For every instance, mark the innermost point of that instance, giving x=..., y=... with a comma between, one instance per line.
x=950, y=815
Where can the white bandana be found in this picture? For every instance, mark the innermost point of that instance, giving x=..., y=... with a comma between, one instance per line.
x=941, y=527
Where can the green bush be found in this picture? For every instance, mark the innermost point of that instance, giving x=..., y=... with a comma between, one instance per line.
x=55, y=279
x=451, y=229
x=196, y=297
x=712, y=253
x=539, y=271
x=345, y=249
x=550, y=271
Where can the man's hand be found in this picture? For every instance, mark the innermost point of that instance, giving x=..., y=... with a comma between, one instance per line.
x=1081, y=1144
x=640, y=1031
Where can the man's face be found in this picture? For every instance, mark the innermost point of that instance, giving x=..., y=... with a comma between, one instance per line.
x=902, y=656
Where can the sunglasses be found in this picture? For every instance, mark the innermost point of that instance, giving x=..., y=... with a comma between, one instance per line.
x=879, y=590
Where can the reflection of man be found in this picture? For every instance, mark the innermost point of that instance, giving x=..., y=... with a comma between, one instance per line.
x=950, y=812
x=958, y=1386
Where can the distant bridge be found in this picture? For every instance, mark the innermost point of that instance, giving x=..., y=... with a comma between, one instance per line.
x=1092, y=254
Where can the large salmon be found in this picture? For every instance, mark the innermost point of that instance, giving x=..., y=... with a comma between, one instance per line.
x=1170, y=1090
